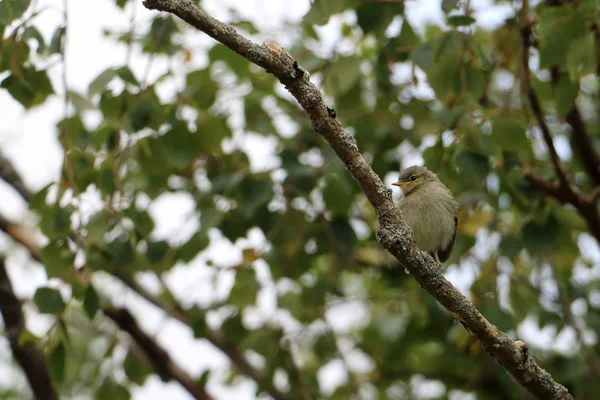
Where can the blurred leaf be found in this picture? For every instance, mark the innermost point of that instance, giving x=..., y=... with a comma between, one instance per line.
x=112, y=390
x=510, y=134
x=30, y=87
x=58, y=37
x=473, y=165
x=49, y=300
x=321, y=10
x=342, y=75
x=57, y=362
x=91, y=302
x=245, y=288
x=190, y=249
x=31, y=32
x=460, y=20
x=102, y=80
x=12, y=9
x=337, y=194
x=136, y=369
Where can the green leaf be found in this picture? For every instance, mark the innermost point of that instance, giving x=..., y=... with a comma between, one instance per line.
x=30, y=88
x=581, y=57
x=255, y=193
x=91, y=302
x=57, y=258
x=81, y=169
x=342, y=76
x=12, y=9
x=449, y=5
x=122, y=251
x=376, y=17
x=127, y=76
x=180, y=146
x=337, y=194
x=102, y=80
x=245, y=289
x=510, y=134
x=57, y=362
x=58, y=37
x=49, y=301
x=157, y=251
x=112, y=390
x=80, y=103
x=190, y=249
x=106, y=177
x=198, y=318
x=460, y=20
x=142, y=221
x=144, y=114
x=473, y=165
x=136, y=369
x=404, y=43
x=322, y=10
x=31, y=32
x=201, y=88
x=558, y=26
x=203, y=380
x=565, y=93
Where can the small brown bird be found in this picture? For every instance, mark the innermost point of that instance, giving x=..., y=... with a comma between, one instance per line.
x=430, y=210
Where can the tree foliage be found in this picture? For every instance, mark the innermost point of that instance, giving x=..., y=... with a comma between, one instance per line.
x=506, y=116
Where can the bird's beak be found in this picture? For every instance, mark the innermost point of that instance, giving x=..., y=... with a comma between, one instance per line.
x=399, y=183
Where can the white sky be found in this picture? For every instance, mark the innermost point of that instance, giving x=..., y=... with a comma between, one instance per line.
x=28, y=138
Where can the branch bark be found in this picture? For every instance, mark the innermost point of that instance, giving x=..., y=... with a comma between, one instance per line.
x=29, y=357
x=394, y=234
x=9, y=174
x=156, y=355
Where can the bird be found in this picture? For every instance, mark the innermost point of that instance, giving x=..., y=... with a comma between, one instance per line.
x=430, y=210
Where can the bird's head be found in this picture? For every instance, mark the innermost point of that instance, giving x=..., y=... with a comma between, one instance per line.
x=413, y=178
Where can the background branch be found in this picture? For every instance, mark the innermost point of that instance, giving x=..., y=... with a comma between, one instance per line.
x=9, y=174
x=394, y=234
x=564, y=191
x=29, y=357
x=156, y=355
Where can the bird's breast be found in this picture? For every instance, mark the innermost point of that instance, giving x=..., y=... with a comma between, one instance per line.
x=431, y=220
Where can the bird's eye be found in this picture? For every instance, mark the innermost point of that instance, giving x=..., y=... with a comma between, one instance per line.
x=413, y=178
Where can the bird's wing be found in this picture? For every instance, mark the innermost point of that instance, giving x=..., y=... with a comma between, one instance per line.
x=444, y=254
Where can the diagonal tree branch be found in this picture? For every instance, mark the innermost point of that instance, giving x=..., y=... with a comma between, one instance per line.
x=394, y=234
x=217, y=340
x=156, y=355
x=9, y=174
x=29, y=357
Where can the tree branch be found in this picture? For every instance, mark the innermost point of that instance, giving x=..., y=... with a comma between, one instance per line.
x=584, y=144
x=9, y=174
x=565, y=192
x=29, y=357
x=394, y=234
x=534, y=102
x=216, y=339
x=22, y=235
x=156, y=355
